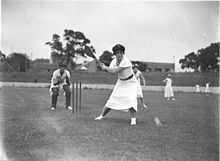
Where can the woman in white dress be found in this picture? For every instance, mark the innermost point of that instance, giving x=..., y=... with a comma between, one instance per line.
x=168, y=88
x=139, y=76
x=197, y=88
x=207, y=89
x=124, y=94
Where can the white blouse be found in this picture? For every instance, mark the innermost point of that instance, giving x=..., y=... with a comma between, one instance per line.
x=56, y=75
x=126, y=64
x=168, y=81
x=138, y=75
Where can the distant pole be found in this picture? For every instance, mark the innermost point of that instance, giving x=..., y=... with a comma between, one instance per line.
x=11, y=48
x=174, y=63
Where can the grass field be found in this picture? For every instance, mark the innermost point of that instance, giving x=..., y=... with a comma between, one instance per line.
x=31, y=132
x=152, y=78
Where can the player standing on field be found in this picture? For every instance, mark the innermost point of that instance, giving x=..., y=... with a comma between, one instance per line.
x=168, y=88
x=124, y=94
x=140, y=79
x=60, y=80
x=197, y=88
x=207, y=89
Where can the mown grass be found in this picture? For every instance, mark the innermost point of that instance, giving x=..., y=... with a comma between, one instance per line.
x=152, y=78
x=33, y=132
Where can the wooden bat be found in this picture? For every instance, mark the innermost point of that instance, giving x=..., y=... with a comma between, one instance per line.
x=89, y=53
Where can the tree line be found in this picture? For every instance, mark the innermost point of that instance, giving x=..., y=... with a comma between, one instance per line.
x=15, y=62
x=204, y=60
x=73, y=44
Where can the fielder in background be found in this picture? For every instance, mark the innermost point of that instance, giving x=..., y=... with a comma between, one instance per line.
x=197, y=88
x=124, y=94
x=60, y=80
x=141, y=80
x=207, y=89
x=168, y=93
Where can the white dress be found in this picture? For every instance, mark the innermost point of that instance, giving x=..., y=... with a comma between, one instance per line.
x=168, y=88
x=197, y=89
x=124, y=94
x=207, y=90
x=139, y=89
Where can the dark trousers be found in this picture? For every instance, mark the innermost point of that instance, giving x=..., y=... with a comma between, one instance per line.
x=55, y=94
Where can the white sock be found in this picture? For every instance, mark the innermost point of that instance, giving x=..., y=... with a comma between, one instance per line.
x=133, y=121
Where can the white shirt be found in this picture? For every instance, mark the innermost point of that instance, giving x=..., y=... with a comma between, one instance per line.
x=56, y=75
x=125, y=63
x=138, y=75
x=207, y=85
x=168, y=81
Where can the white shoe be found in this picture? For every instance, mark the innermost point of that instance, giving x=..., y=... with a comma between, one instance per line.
x=52, y=108
x=133, y=121
x=99, y=118
x=173, y=99
x=145, y=106
x=157, y=121
x=69, y=108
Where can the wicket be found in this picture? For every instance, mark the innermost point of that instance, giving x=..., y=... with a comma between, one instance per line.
x=76, y=96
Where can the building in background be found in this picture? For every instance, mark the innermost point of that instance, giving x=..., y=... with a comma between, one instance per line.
x=43, y=65
x=160, y=67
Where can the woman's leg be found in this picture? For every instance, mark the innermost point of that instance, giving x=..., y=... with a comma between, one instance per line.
x=133, y=118
x=105, y=111
x=142, y=102
x=55, y=94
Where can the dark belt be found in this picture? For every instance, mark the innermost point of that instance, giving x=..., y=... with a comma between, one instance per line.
x=127, y=78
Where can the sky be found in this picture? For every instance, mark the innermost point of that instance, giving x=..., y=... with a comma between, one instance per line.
x=155, y=31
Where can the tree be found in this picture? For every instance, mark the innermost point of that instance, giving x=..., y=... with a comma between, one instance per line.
x=56, y=45
x=204, y=60
x=190, y=61
x=2, y=56
x=106, y=57
x=75, y=43
x=209, y=58
x=3, y=59
x=19, y=62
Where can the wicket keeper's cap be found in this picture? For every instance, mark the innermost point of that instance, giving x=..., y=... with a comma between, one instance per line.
x=118, y=47
x=169, y=75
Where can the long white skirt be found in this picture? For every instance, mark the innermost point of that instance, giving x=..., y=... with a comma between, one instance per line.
x=124, y=95
x=207, y=90
x=168, y=91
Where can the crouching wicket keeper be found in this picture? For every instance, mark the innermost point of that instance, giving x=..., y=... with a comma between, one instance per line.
x=60, y=80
